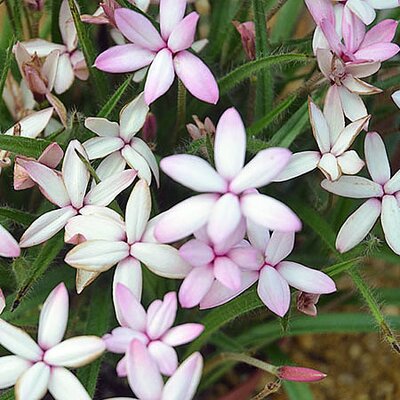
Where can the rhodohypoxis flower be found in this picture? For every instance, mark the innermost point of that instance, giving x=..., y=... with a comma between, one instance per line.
x=37, y=367
x=383, y=193
x=334, y=140
x=247, y=31
x=8, y=245
x=365, y=9
x=167, y=53
x=230, y=193
x=127, y=247
x=153, y=329
x=120, y=146
x=146, y=381
x=30, y=126
x=307, y=303
x=67, y=191
x=71, y=61
x=276, y=275
x=217, y=268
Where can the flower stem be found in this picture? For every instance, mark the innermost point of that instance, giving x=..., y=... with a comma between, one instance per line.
x=243, y=358
x=181, y=111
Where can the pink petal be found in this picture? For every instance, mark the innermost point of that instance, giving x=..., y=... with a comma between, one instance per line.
x=8, y=245
x=227, y=272
x=306, y=279
x=182, y=334
x=390, y=220
x=194, y=173
x=196, y=76
x=165, y=356
x=246, y=257
x=383, y=32
x=353, y=30
x=355, y=187
x=320, y=9
x=195, y=286
x=138, y=29
x=52, y=155
x=274, y=291
x=270, y=213
x=279, y=247
x=378, y=52
x=182, y=37
x=33, y=383
x=124, y=58
x=119, y=339
x=377, y=159
x=196, y=253
x=53, y=318
x=258, y=235
x=171, y=14
x=143, y=373
x=160, y=77
x=64, y=385
x=194, y=211
x=332, y=37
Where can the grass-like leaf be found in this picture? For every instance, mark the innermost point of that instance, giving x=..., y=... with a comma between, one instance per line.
x=23, y=146
x=21, y=217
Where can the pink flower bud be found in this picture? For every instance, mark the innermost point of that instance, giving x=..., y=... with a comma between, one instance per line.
x=300, y=374
x=306, y=303
x=35, y=5
x=200, y=129
x=247, y=32
x=150, y=128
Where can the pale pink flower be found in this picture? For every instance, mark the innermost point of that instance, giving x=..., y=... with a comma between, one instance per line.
x=217, y=275
x=2, y=301
x=276, y=275
x=229, y=190
x=247, y=33
x=300, y=374
x=36, y=368
x=153, y=329
x=8, y=245
x=67, y=191
x=167, y=53
x=30, y=126
x=383, y=192
x=307, y=303
x=71, y=63
x=146, y=381
x=119, y=144
x=334, y=140
x=107, y=244
x=50, y=157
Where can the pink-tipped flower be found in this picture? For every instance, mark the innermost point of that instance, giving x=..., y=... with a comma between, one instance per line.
x=36, y=368
x=247, y=33
x=107, y=244
x=306, y=303
x=153, y=329
x=217, y=275
x=383, y=192
x=167, y=54
x=117, y=142
x=50, y=157
x=300, y=374
x=71, y=63
x=8, y=245
x=67, y=191
x=276, y=275
x=334, y=140
x=229, y=191
x=2, y=301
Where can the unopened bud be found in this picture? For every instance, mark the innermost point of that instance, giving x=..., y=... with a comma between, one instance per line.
x=247, y=33
x=306, y=303
x=300, y=374
x=150, y=128
x=199, y=129
x=35, y=5
x=2, y=301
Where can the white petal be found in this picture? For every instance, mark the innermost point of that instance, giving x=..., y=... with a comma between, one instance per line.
x=65, y=74
x=350, y=163
x=11, y=368
x=279, y=247
x=390, y=220
x=377, y=159
x=299, y=164
x=165, y=356
x=320, y=127
x=64, y=385
x=42, y=47
x=329, y=166
x=333, y=112
x=137, y=162
x=358, y=225
x=100, y=147
x=196, y=253
x=84, y=278
x=102, y=127
x=352, y=104
x=111, y=165
x=67, y=26
x=75, y=352
x=258, y=235
x=35, y=123
x=143, y=149
x=32, y=385
x=355, y=187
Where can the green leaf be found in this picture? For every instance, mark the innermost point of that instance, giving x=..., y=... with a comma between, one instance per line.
x=23, y=146
x=46, y=256
x=21, y=217
x=6, y=64
x=55, y=29
x=8, y=395
x=112, y=102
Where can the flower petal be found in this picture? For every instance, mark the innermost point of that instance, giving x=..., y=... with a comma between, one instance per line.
x=65, y=74
x=100, y=147
x=64, y=385
x=319, y=126
x=165, y=356
x=143, y=149
x=352, y=104
x=299, y=164
x=279, y=247
x=227, y=272
x=390, y=220
x=11, y=368
x=196, y=253
x=182, y=334
x=171, y=14
x=32, y=385
x=355, y=187
x=137, y=162
x=350, y=163
x=333, y=113
x=102, y=127
x=34, y=123
x=8, y=245
x=182, y=37
x=258, y=235
x=195, y=286
x=112, y=164
x=377, y=159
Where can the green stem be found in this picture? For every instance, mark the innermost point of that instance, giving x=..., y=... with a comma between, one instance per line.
x=274, y=10
x=243, y=358
x=181, y=111
x=11, y=17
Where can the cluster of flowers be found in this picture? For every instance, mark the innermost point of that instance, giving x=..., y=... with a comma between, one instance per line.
x=240, y=236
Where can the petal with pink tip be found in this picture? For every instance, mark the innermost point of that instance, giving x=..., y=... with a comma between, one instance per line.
x=143, y=374
x=306, y=279
x=377, y=158
x=32, y=385
x=124, y=58
x=320, y=127
x=171, y=14
x=46, y=226
x=18, y=342
x=196, y=76
x=183, y=384
x=165, y=357
x=182, y=37
x=53, y=318
x=270, y=213
x=75, y=352
x=119, y=339
x=182, y=334
x=196, y=253
x=274, y=291
x=102, y=127
x=246, y=257
x=194, y=173
x=279, y=247
x=100, y=147
x=355, y=187
x=299, y=164
x=64, y=385
x=262, y=169
x=195, y=213
x=138, y=29
x=52, y=155
x=230, y=144
x=195, y=286
x=390, y=220
x=8, y=245
x=160, y=77
x=11, y=368
x=227, y=272
x=131, y=313
x=358, y=225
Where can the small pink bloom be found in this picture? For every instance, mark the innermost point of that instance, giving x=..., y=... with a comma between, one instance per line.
x=8, y=245
x=247, y=33
x=300, y=374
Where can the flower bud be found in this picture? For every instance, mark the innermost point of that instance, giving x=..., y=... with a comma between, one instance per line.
x=35, y=5
x=300, y=374
x=150, y=128
x=247, y=32
x=306, y=303
x=200, y=129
